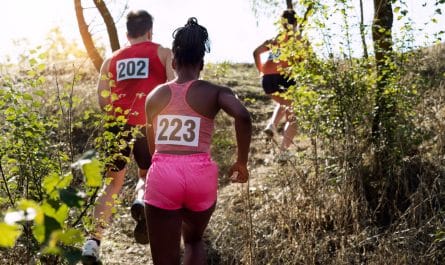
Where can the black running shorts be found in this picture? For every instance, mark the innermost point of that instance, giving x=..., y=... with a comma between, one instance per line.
x=140, y=149
x=276, y=83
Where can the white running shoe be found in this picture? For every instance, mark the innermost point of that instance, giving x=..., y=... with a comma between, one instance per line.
x=90, y=252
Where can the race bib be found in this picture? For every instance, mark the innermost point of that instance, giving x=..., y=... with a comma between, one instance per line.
x=132, y=68
x=178, y=130
x=273, y=56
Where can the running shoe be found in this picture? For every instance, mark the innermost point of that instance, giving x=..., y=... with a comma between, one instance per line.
x=90, y=253
x=140, y=232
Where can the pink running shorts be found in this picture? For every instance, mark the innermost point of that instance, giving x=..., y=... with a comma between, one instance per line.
x=182, y=181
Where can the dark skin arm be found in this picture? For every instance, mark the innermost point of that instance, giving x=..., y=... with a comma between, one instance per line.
x=154, y=103
x=243, y=127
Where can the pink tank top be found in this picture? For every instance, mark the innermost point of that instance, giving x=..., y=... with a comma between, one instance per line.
x=180, y=128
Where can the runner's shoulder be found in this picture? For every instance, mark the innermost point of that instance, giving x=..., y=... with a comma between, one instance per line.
x=219, y=88
x=164, y=50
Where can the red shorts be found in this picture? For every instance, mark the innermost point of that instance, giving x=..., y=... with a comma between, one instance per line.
x=182, y=181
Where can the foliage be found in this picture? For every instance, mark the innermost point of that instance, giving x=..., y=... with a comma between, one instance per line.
x=334, y=101
x=216, y=71
x=48, y=179
x=46, y=198
x=327, y=205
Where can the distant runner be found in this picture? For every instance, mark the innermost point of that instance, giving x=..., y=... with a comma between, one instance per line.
x=274, y=83
x=182, y=181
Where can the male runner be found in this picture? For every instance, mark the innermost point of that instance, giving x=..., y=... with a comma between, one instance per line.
x=134, y=71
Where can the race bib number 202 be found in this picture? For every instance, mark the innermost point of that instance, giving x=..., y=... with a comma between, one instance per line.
x=178, y=130
x=132, y=68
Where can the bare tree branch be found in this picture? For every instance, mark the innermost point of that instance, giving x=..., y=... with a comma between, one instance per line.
x=87, y=40
x=109, y=23
x=362, y=31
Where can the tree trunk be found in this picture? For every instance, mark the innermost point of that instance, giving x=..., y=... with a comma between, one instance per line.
x=289, y=4
x=87, y=40
x=382, y=37
x=362, y=31
x=109, y=22
x=383, y=133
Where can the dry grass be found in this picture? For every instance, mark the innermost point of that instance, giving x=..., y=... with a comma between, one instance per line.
x=293, y=214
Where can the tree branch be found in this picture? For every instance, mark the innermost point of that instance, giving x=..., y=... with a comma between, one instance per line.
x=109, y=23
x=86, y=37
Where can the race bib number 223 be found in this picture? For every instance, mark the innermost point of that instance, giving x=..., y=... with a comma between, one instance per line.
x=177, y=130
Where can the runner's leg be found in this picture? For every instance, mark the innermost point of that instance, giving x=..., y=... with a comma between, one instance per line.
x=290, y=130
x=142, y=156
x=164, y=230
x=104, y=204
x=143, y=159
x=277, y=115
x=140, y=186
x=193, y=226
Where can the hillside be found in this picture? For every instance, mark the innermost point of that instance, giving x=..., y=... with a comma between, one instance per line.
x=310, y=209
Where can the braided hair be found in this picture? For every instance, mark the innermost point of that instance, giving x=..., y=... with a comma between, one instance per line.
x=190, y=43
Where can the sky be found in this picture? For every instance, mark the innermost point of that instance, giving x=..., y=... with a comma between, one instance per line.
x=233, y=28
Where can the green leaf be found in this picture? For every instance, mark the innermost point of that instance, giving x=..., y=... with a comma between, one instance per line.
x=41, y=67
x=32, y=61
x=50, y=183
x=71, y=236
x=39, y=232
x=54, y=182
x=27, y=96
x=70, y=197
x=72, y=254
x=40, y=93
x=66, y=180
x=51, y=225
x=60, y=215
x=41, y=79
x=92, y=170
x=9, y=234
x=31, y=73
x=105, y=93
x=43, y=55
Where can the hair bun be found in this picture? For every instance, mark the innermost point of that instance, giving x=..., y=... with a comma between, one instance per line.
x=192, y=21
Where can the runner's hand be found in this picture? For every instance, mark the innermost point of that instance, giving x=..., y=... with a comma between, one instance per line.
x=239, y=173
